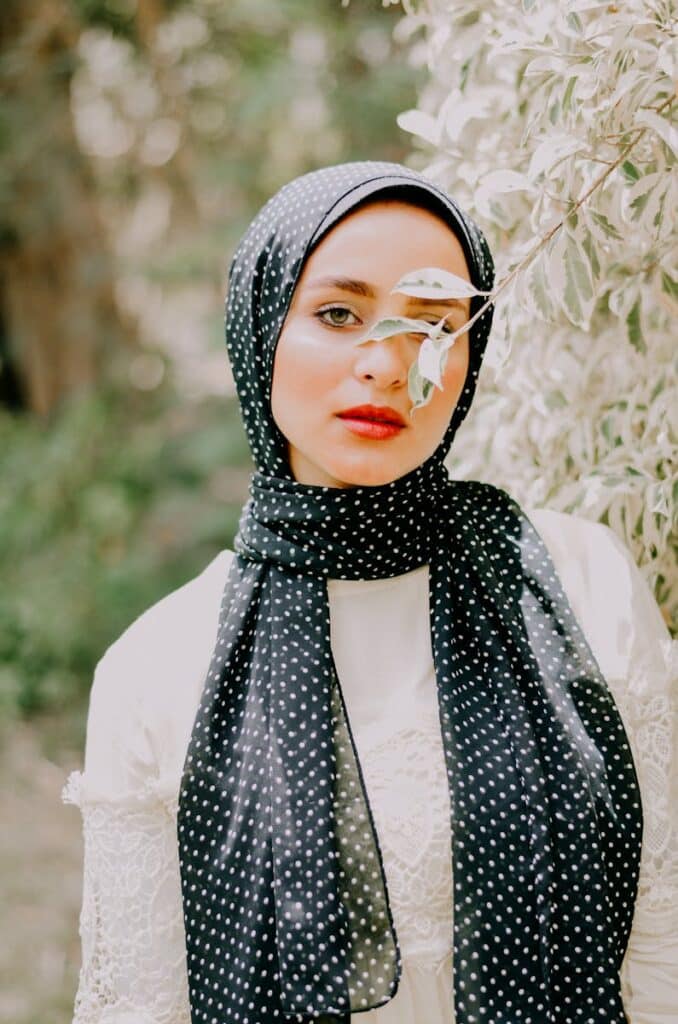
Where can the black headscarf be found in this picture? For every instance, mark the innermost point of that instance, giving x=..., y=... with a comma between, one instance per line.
x=286, y=906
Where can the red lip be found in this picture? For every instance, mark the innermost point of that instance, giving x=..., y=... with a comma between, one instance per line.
x=374, y=414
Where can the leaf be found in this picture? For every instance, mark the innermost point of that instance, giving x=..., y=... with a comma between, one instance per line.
x=420, y=390
x=571, y=280
x=590, y=249
x=602, y=222
x=567, y=98
x=435, y=283
x=630, y=171
x=634, y=327
x=538, y=291
x=389, y=326
x=550, y=151
x=574, y=22
x=457, y=113
x=505, y=181
x=669, y=286
x=549, y=62
x=638, y=195
x=432, y=359
x=661, y=126
x=417, y=122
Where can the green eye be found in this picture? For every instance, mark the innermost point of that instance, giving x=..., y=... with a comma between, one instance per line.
x=332, y=310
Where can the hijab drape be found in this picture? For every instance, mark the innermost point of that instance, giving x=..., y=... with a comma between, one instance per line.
x=286, y=904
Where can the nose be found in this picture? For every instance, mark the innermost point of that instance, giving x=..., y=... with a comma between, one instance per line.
x=385, y=361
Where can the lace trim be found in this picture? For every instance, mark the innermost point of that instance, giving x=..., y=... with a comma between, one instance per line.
x=414, y=833
x=163, y=789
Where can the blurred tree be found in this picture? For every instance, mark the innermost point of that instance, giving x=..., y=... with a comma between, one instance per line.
x=56, y=274
x=137, y=138
x=168, y=126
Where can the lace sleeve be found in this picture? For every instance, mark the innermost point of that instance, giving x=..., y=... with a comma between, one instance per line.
x=133, y=968
x=131, y=926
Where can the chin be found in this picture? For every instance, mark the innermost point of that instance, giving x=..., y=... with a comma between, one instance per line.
x=373, y=472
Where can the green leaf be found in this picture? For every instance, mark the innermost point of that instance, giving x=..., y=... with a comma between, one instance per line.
x=658, y=388
x=630, y=172
x=669, y=286
x=602, y=222
x=634, y=327
x=567, y=98
x=590, y=250
x=578, y=294
x=555, y=399
x=639, y=204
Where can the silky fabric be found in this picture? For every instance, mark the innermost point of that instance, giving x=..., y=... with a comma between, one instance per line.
x=285, y=902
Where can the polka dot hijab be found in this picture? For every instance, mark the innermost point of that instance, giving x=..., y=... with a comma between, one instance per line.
x=286, y=904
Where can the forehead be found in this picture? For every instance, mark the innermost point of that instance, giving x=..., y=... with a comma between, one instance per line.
x=384, y=237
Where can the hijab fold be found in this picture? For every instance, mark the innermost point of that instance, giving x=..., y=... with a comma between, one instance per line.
x=286, y=905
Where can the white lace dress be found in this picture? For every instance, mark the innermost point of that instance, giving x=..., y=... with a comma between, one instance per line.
x=144, y=696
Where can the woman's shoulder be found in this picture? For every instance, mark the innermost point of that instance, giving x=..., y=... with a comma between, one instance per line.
x=176, y=618
x=147, y=682
x=166, y=646
x=608, y=593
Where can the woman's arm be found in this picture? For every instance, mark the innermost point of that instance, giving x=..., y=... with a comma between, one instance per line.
x=133, y=968
x=142, y=702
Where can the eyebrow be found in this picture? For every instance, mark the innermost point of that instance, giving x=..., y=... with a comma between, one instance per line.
x=349, y=284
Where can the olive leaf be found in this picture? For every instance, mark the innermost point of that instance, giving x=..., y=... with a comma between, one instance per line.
x=391, y=325
x=427, y=369
x=431, y=360
x=421, y=389
x=435, y=283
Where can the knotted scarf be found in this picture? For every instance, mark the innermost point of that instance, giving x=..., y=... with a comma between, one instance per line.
x=286, y=905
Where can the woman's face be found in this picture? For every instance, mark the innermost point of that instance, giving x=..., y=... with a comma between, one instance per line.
x=320, y=371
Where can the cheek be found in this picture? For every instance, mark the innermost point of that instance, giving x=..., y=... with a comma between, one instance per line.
x=305, y=369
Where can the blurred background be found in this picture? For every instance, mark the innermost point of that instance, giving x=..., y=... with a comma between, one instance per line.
x=138, y=138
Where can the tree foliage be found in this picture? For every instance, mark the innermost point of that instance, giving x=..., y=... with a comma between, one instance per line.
x=553, y=121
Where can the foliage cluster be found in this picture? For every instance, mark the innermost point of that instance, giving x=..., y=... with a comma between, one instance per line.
x=553, y=123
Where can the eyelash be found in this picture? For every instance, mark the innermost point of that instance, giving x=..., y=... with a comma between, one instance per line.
x=327, y=309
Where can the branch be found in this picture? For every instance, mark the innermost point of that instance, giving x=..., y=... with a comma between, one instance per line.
x=545, y=239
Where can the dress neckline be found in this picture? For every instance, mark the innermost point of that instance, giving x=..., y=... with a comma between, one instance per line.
x=339, y=586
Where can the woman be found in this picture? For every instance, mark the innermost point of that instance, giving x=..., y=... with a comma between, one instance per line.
x=402, y=787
